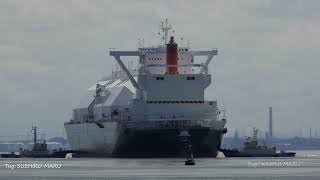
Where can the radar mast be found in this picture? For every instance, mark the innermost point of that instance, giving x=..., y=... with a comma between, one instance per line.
x=165, y=27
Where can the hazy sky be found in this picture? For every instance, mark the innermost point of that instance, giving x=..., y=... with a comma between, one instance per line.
x=51, y=51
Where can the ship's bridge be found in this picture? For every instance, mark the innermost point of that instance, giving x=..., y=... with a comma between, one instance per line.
x=172, y=87
x=161, y=79
x=168, y=72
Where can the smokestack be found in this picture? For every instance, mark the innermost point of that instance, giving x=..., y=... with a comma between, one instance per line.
x=270, y=123
x=300, y=132
x=172, y=57
x=310, y=133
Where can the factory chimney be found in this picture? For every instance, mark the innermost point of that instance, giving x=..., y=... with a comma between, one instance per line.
x=270, y=123
x=310, y=133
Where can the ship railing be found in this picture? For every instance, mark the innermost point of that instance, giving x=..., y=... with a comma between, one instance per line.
x=205, y=115
x=72, y=121
x=194, y=68
x=90, y=121
x=173, y=124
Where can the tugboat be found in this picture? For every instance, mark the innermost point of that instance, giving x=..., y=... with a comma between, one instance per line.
x=252, y=149
x=10, y=155
x=39, y=150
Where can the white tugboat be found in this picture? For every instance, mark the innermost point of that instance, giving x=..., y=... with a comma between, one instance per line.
x=141, y=113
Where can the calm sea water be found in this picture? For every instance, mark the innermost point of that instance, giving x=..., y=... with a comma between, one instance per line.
x=306, y=165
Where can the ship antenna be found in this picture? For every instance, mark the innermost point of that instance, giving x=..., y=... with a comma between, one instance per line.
x=139, y=43
x=181, y=39
x=34, y=131
x=165, y=27
x=143, y=42
x=255, y=133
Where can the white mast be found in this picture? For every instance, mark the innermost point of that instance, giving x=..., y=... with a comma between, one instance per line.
x=165, y=27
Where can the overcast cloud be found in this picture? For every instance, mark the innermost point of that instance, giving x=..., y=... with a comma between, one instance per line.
x=51, y=51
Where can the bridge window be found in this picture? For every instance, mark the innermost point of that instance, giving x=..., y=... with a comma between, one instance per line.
x=191, y=78
x=159, y=78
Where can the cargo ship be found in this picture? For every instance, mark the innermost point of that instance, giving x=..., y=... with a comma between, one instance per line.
x=141, y=111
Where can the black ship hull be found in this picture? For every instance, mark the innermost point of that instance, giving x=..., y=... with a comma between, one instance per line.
x=167, y=143
x=164, y=143
x=237, y=153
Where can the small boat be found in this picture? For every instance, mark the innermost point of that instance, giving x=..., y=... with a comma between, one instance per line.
x=285, y=154
x=39, y=150
x=252, y=149
x=10, y=155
